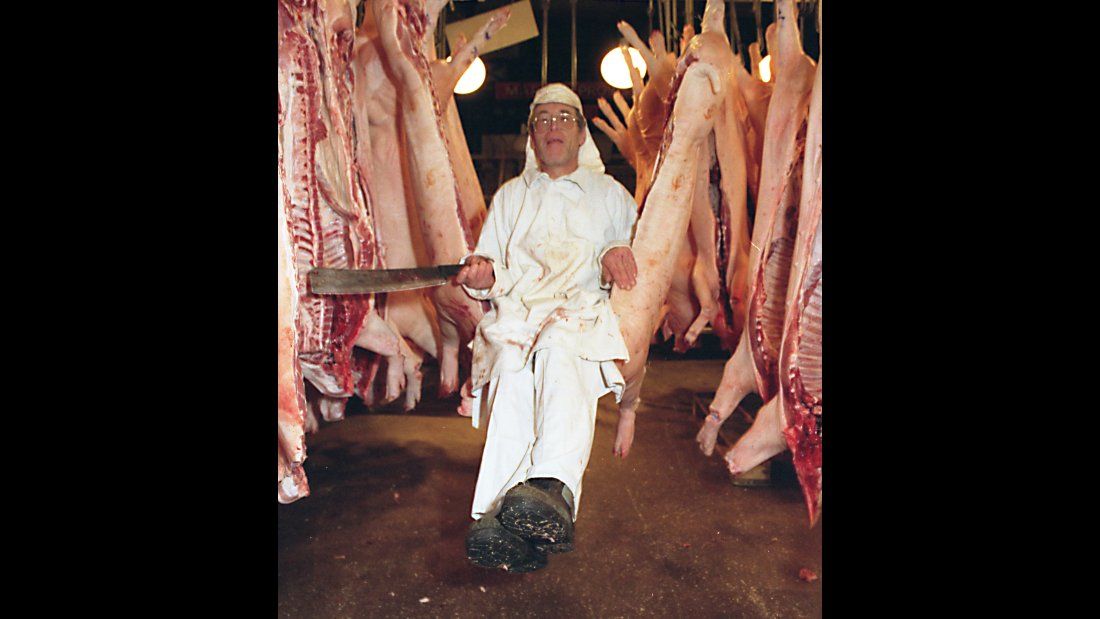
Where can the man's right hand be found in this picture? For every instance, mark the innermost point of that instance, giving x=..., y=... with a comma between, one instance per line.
x=477, y=273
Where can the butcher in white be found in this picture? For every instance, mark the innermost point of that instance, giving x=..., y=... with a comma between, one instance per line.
x=556, y=240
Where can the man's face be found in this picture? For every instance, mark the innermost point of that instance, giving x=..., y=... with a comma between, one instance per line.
x=559, y=144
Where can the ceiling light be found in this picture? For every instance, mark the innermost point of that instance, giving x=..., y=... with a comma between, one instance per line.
x=766, y=68
x=614, y=70
x=472, y=79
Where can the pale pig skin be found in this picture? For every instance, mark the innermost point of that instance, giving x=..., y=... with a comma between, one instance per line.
x=422, y=224
x=661, y=230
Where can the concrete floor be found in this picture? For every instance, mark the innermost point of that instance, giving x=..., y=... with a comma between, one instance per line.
x=663, y=533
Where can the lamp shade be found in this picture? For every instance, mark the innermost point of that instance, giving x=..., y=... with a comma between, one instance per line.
x=472, y=79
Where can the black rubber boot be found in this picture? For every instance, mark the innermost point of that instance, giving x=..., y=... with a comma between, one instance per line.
x=537, y=511
x=490, y=545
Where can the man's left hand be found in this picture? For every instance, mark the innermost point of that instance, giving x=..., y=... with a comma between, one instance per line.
x=619, y=267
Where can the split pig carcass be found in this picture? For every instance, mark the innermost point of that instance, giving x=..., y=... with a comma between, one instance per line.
x=792, y=419
x=434, y=205
x=639, y=140
x=340, y=91
x=325, y=218
x=779, y=355
x=752, y=367
x=709, y=279
x=700, y=89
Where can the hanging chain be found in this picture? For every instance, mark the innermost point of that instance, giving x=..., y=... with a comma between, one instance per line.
x=573, y=52
x=761, y=43
x=650, y=16
x=545, y=35
x=735, y=30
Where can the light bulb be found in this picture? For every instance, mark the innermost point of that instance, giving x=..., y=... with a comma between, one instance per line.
x=766, y=68
x=614, y=70
x=472, y=79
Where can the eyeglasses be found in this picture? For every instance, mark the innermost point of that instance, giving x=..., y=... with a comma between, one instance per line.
x=564, y=120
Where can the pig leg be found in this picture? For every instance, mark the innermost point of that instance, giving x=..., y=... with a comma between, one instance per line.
x=414, y=316
x=763, y=440
x=377, y=336
x=704, y=270
x=737, y=382
x=320, y=405
x=413, y=377
x=706, y=293
x=628, y=409
x=381, y=336
x=311, y=423
x=466, y=405
x=395, y=378
x=680, y=308
x=448, y=358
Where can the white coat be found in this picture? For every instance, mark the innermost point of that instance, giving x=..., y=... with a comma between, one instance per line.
x=546, y=238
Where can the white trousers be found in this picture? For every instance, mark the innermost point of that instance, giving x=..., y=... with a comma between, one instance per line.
x=541, y=423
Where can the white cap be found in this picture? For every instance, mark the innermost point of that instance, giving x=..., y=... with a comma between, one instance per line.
x=556, y=93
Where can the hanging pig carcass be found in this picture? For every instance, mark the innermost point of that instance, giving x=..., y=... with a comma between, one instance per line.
x=421, y=317
x=326, y=216
x=428, y=222
x=699, y=90
x=709, y=278
x=792, y=418
x=754, y=365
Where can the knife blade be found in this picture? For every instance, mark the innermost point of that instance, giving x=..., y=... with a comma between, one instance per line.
x=356, y=281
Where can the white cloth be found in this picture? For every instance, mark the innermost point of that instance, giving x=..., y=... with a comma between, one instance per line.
x=547, y=435
x=546, y=238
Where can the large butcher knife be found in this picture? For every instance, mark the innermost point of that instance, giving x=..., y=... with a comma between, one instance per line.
x=354, y=281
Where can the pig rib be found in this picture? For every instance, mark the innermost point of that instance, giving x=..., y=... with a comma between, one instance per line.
x=800, y=351
x=795, y=422
x=326, y=220
x=328, y=215
x=779, y=195
x=732, y=218
x=291, y=480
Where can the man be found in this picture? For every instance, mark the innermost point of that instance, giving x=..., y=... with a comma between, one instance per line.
x=556, y=239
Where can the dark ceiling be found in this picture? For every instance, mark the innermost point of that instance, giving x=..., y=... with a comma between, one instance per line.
x=483, y=113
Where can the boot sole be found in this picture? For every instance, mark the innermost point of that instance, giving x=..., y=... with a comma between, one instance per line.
x=526, y=514
x=493, y=548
